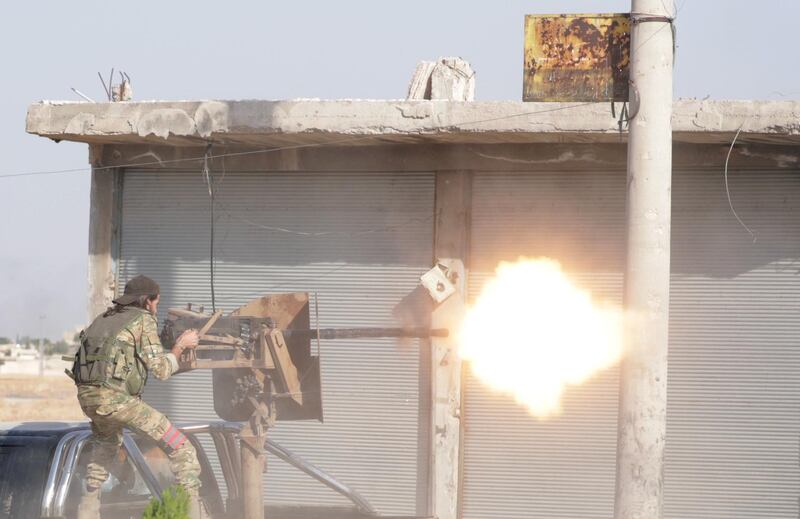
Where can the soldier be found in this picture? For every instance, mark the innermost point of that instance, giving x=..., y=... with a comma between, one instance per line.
x=110, y=369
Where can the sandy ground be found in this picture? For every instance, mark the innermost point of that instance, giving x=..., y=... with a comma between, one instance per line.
x=33, y=398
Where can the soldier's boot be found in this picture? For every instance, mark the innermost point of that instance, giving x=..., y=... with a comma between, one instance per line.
x=89, y=505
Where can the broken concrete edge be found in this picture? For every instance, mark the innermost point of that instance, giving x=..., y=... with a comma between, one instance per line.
x=448, y=78
x=420, y=86
x=138, y=122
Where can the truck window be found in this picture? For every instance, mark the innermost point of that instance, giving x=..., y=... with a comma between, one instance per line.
x=157, y=460
x=124, y=494
x=28, y=459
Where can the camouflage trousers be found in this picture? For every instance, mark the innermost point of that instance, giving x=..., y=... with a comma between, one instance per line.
x=108, y=421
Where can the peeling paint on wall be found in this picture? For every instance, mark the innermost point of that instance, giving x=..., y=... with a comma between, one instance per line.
x=211, y=117
x=164, y=122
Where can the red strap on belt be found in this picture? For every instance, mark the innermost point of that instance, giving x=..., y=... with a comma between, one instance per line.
x=173, y=437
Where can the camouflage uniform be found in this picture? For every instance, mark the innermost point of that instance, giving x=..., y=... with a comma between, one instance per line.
x=111, y=409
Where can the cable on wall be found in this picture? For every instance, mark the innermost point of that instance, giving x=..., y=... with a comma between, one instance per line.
x=209, y=178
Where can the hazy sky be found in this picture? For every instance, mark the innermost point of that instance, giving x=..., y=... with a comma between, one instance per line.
x=727, y=49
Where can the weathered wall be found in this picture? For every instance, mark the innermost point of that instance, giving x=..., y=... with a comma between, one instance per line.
x=103, y=228
x=454, y=164
x=437, y=157
x=303, y=122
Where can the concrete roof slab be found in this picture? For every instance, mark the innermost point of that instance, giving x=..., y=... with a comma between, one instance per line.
x=362, y=122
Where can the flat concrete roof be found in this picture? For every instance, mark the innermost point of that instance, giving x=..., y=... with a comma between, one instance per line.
x=362, y=122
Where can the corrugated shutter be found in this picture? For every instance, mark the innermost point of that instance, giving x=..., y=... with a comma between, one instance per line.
x=360, y=241
x=733, y=422
x=734, y=375
x=516, y=466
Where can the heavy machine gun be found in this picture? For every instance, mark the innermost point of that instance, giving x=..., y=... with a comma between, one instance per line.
x=261, y=355
x=263, y=367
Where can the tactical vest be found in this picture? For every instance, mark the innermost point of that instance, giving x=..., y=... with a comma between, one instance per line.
x=103, y=360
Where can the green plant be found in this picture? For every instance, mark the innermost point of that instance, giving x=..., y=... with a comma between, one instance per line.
x=174, y=504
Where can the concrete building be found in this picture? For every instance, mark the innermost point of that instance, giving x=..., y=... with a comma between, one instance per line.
x=354, y=200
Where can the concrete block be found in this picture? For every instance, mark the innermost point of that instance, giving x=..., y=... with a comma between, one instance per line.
x=420, y=87
x=453, y=79
x=446, y=79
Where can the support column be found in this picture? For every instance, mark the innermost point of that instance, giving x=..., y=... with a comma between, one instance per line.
x=103, y=220
x=253, y=468
x=643, y=374
x=451, y=246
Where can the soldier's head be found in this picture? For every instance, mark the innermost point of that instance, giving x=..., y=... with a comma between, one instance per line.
x=141, y=292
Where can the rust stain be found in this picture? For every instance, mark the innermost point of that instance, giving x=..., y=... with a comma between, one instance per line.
x=582, y=57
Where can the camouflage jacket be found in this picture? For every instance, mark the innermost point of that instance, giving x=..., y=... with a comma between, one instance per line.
x=142, y=332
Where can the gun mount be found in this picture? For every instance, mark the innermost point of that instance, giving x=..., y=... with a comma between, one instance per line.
x=261, y=356
x=263, y=369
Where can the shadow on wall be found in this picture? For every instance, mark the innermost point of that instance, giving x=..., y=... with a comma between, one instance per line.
x=578, y=218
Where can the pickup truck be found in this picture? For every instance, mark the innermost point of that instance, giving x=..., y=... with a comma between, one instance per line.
x=42, y=466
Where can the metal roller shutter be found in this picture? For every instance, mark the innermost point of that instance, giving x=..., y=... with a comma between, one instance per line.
x=516, y=466
x=360, y=241
x=734, y=363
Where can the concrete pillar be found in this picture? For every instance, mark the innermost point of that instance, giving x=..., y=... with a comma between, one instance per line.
x=643, y=375
x=103, y=222
x=451, y=246
x=253, y=467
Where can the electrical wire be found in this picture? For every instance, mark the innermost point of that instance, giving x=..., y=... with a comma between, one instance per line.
x=210, y=181
x=375, y=230
x=727, y=189
x=46, y=172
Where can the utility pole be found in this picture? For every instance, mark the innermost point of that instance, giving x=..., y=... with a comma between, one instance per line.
x=643, y=374
x=41, y=344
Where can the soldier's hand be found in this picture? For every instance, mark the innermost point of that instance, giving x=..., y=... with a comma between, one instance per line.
x=188, y=339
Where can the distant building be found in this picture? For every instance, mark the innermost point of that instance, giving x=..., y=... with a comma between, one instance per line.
x=17, y=352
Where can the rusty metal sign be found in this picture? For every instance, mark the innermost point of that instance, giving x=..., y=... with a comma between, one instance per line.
x=576, y=57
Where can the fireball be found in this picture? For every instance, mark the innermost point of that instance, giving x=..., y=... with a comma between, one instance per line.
x=532, y=333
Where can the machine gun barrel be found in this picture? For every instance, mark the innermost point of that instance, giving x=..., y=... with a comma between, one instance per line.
x=359, y=333
x=264, y=365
